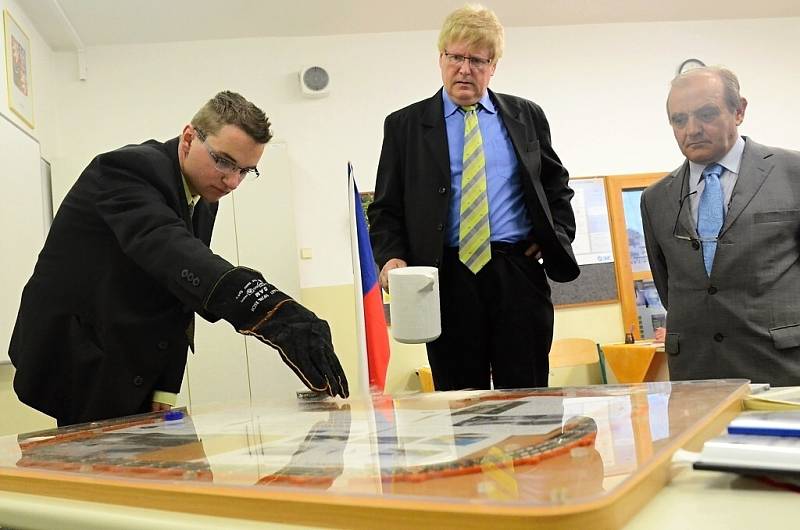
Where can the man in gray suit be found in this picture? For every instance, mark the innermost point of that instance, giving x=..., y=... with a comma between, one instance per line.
x=723, y=240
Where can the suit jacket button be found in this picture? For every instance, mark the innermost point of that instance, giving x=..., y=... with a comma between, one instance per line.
x=712, y=290
x=442, y=190
x=184, y=273
x=436, y=263
x=439, y=227
x=162, y=345
x=138, y=380
x=719, y=337
x=695, y=244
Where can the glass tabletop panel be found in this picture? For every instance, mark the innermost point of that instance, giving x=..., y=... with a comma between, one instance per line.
x=531, y=449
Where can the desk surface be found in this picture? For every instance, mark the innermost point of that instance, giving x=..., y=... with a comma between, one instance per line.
x=716, y=501
x=550, y=457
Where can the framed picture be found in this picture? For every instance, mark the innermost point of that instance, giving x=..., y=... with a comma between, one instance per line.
x=642, y=311
x=18, y=69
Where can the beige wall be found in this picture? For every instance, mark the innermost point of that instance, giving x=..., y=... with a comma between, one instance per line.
x=601, y=323
x=15, y=416
x=602, y=87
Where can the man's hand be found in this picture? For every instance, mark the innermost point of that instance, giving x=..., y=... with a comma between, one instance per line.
x=394, y=263
x=256, y=308
x=534, y=251
x=159, y=407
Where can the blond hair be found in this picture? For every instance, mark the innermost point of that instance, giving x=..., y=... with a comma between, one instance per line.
x=474, y=26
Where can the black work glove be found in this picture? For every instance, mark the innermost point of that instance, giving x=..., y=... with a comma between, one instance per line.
x=254, y=307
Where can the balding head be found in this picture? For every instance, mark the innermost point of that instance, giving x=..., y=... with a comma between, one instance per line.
x=704, y=108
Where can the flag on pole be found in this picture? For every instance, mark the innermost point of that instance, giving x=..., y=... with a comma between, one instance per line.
x=373, y=339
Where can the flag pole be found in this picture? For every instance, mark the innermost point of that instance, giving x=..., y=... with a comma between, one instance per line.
x=361, y=335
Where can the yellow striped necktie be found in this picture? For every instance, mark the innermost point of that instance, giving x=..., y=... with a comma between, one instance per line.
x=474, y=249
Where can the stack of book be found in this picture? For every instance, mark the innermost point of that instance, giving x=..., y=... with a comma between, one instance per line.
x=763, y=441
x=774, y=399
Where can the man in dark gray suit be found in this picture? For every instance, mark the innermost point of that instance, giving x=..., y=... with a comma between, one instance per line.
x=106, y=319
x=723, y=240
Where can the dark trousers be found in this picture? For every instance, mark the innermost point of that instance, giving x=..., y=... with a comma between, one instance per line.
x=497, y=325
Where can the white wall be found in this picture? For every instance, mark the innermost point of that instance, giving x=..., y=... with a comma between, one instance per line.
x=603, y=88
x=16, y=417
x=43, y=88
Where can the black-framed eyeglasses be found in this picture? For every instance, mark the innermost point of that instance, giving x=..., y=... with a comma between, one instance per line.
x=478, y=63
x=675, y=233
x=224, y=164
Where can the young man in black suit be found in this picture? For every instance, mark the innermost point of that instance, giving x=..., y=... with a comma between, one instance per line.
x=106, y=319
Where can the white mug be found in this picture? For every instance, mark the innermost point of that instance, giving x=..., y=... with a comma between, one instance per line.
x=414, y=304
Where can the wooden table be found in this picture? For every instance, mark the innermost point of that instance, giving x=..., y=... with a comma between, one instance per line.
x=546, y=458
x=636, y=363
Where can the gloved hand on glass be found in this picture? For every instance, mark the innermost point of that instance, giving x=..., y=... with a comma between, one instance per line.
x=256, y=308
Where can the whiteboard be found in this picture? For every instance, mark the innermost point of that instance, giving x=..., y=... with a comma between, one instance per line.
x=597, y=282
x=21, y=219
x=592, y=232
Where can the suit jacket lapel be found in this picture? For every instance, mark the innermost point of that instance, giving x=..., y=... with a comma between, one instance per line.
x=679, y=193
x=753, y=172
x=510, y=114
x=170, y=147
x=435, y=133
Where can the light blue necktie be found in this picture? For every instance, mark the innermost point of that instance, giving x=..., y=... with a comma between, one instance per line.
x=710, y=213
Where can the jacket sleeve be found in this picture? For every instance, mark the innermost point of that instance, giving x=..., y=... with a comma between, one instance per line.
x=387, y=223
x=133, y=202
x=555, y=181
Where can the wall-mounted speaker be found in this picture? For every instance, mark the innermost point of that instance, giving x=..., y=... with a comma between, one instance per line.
x=315, y=82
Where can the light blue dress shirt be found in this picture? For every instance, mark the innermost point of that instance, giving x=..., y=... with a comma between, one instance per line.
x=730, y=162
x=508, y=217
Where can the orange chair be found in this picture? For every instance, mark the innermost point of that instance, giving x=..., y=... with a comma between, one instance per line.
x=425, y=379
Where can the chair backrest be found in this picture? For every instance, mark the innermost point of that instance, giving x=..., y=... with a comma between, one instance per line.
x=573, y=352
x=575, y=362
x=425, y=379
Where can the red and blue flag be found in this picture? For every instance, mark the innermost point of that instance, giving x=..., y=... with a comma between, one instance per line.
x=371, y=321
